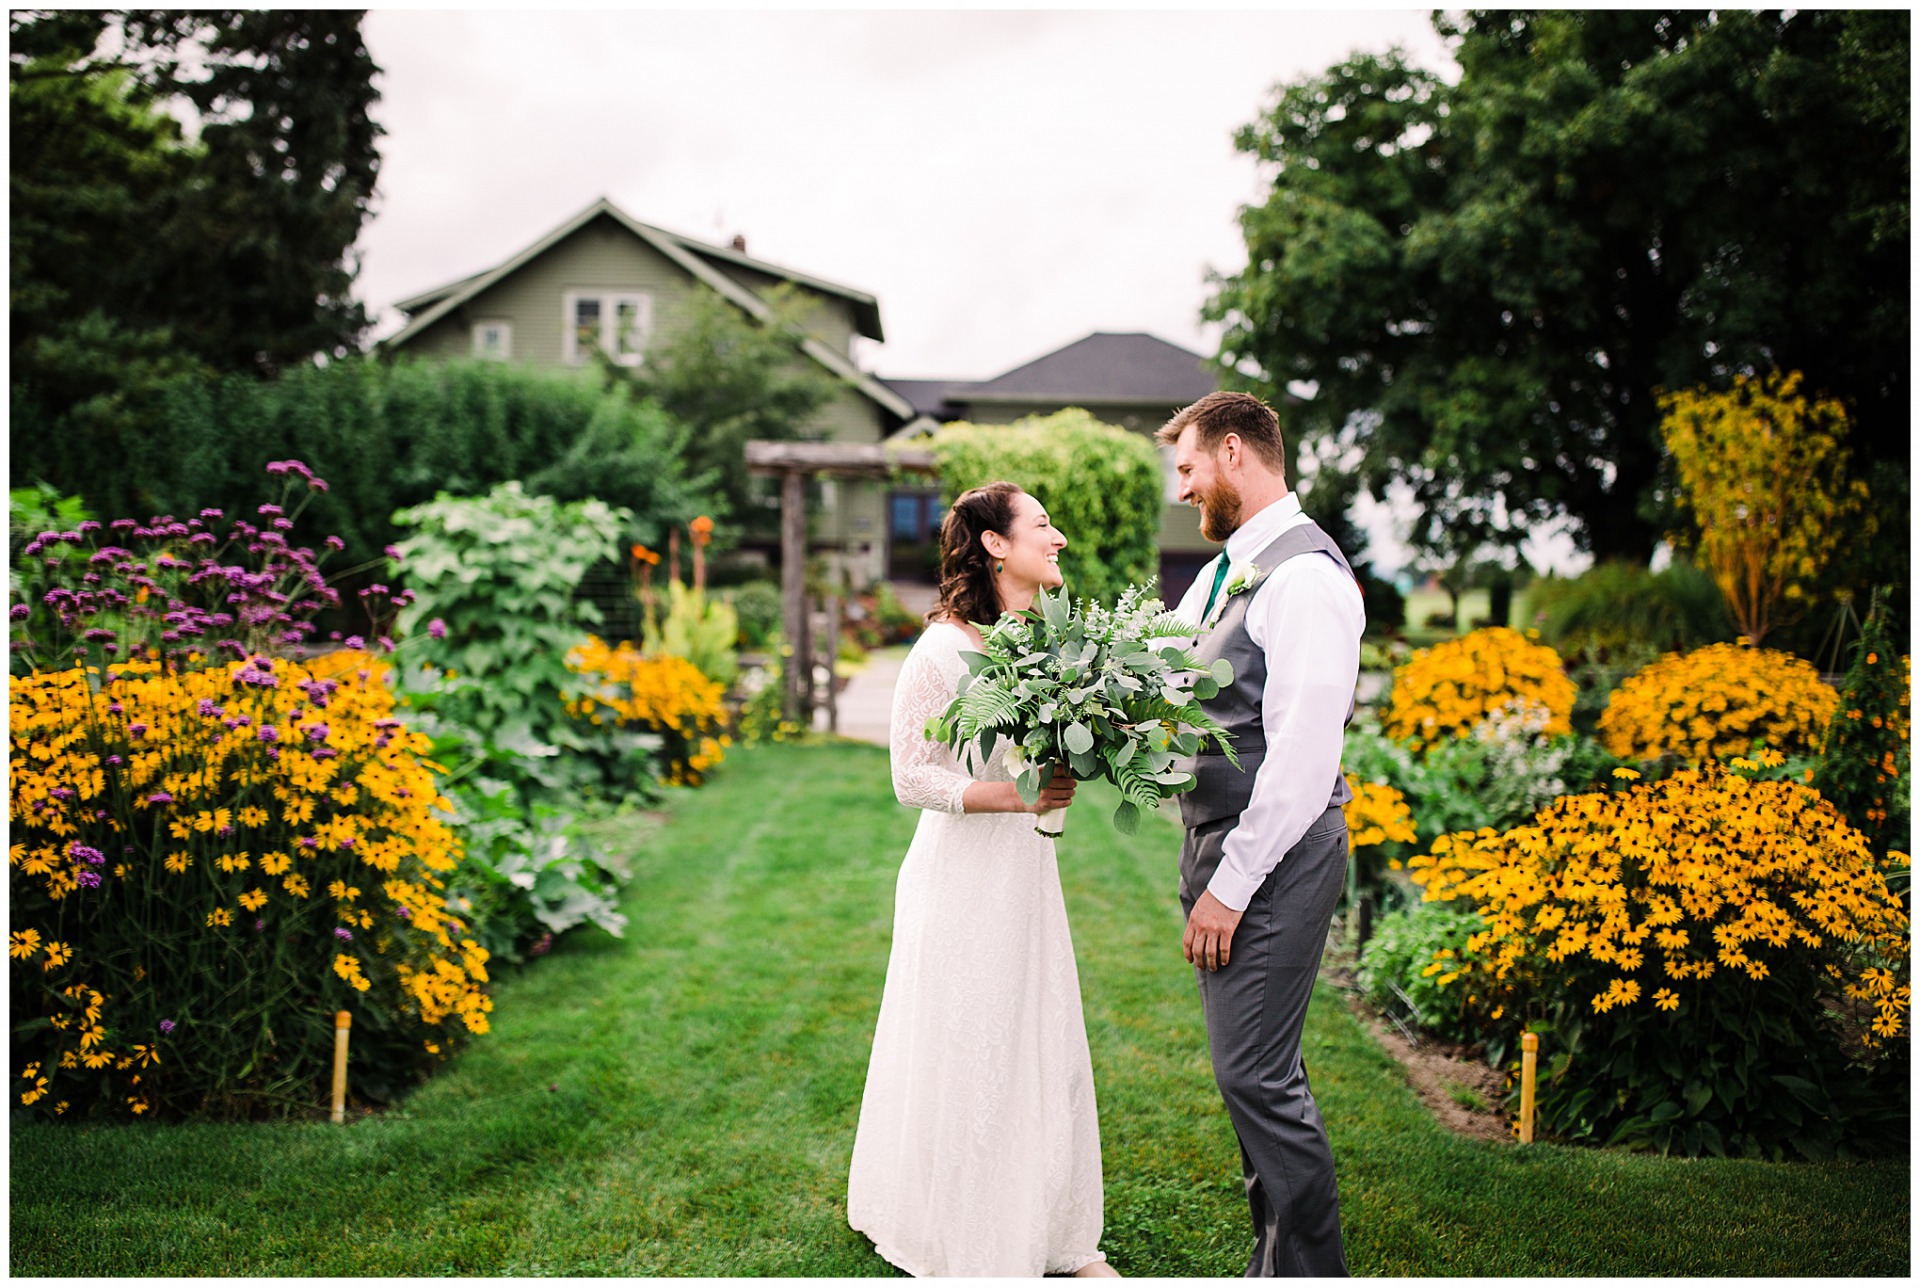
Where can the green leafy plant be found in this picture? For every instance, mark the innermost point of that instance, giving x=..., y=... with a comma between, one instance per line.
x=493, y=620
x=1498, y=775
x=1396, y=970
x=1867, y=751
x=529, y=876
x=39, y=508
x=1621, y=613
x=1086, y=688
x=701, y=628
x=760, y=609
x=1101, y=485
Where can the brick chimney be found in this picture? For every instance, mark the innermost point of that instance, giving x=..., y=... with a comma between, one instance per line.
x=740, y=242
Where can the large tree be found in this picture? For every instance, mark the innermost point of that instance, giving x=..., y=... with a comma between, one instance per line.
x=188, y=181
x=1485, y=283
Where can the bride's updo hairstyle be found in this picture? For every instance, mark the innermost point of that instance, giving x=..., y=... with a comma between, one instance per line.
x=966, y=569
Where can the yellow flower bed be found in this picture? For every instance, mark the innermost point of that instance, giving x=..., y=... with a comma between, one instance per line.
x=204, y=865
x=1443, y=691
x=662, y=694
x=1717, y=702
x=1666, y=884
x=1376, y=814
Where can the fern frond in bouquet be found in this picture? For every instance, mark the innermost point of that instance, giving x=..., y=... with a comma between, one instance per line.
x=1108, y=693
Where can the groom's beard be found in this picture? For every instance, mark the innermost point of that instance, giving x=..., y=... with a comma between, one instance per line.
x=1219, y=512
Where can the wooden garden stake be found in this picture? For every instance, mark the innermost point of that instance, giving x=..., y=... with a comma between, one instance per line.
x=342, y=1020
x=1529, y=1057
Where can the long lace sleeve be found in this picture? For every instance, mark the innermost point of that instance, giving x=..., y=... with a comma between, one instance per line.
x=925, y=773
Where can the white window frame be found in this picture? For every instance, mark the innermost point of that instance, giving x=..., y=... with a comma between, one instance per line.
x=504, y=327
x=611, y=301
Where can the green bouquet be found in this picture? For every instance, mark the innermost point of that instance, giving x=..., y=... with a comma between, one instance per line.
x=1100, y=692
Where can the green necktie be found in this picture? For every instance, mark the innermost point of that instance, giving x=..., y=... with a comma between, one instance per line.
x=1219, y=579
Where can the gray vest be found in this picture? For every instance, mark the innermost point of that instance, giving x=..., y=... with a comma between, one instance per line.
x=1220, y=790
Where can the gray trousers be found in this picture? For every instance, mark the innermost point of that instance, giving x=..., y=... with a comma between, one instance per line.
x=1255, y=1008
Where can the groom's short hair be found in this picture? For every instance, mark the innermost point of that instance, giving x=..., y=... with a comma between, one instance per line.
x=1219, y=414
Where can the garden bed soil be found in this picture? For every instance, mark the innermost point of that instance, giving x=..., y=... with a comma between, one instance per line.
x=1442, y=1075
x=1439, y=1072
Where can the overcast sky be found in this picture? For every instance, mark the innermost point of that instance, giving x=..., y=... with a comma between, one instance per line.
x=1003, y=181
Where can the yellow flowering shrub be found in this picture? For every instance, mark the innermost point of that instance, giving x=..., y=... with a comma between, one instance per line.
x=1682, y=940
x=1717, y=702
x=1443, y=691
x=1378, y=813
x=204, y=865
x=664, y=694
x=1763, y=472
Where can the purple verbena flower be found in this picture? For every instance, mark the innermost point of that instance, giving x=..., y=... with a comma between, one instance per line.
x=166, y=1025
x=159, y=797
x=342, y=933
x=355, y=641
x=437, y=629
x=87, y=878
x=268, y=733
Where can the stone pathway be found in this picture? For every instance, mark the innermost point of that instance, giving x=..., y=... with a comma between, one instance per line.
x=866, y=703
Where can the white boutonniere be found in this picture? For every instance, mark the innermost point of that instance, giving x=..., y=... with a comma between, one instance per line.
x=1240, y=578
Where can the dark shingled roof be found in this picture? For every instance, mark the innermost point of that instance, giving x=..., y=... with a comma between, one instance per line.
x=1103, y=367
x=929, y=397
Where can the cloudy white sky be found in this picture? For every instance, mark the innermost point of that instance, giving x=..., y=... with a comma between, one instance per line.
x=1003, y=181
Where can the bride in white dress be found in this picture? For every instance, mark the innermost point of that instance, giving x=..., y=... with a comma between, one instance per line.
x=978, y=1150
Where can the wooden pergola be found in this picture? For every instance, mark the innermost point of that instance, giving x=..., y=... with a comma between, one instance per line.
x=793, y=463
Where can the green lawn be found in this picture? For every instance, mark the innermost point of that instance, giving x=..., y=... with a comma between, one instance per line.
x=683, y=1101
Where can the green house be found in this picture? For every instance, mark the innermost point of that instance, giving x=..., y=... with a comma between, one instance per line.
x=604, y=279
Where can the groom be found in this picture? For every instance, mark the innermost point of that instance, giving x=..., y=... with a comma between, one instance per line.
x=1266, y=847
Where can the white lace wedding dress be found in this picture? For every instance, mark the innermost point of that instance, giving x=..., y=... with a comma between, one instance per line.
x=978, y=1150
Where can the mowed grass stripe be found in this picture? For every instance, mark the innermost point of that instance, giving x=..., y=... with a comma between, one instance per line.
x=706, y=1074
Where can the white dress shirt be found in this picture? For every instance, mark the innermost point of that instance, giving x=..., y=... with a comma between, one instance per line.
x=1307, y=618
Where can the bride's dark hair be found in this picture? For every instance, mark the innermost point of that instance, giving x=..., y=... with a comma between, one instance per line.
x=966, y=569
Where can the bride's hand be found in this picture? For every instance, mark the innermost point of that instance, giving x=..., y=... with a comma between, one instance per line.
x=1057, y=794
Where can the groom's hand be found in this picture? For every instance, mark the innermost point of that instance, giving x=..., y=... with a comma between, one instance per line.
x=1210, y=932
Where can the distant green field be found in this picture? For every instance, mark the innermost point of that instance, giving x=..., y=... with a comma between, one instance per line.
x=1473, y=605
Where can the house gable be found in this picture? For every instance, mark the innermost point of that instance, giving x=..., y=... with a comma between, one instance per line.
x=604, y=248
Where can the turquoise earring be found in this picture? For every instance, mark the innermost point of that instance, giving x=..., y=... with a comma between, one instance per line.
x=1001, y=566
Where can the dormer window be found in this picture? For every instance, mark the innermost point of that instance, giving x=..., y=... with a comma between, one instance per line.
x=493, y=339
x=616, y=322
